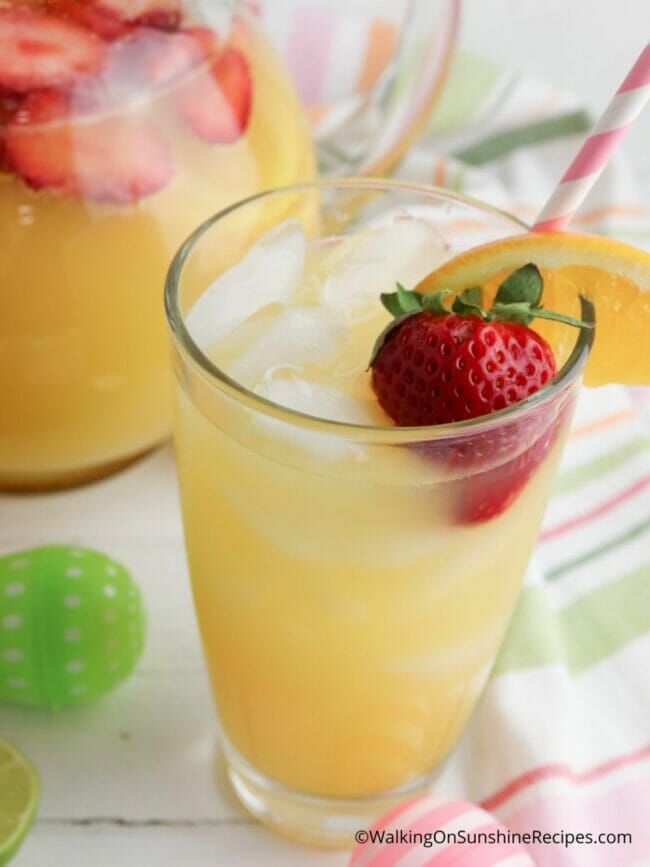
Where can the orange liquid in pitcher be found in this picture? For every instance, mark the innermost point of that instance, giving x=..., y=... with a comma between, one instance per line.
x=83, y=349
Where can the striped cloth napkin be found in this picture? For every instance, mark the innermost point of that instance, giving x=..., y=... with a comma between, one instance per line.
x=561, y=739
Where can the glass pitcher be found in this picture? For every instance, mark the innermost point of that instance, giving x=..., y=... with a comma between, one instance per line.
x=131, y=123
x=369, y=73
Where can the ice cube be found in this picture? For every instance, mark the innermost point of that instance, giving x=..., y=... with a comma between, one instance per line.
x=331, y=509
x=269, y=273
x=373, y=261
x=319, y=401
x=297, y=336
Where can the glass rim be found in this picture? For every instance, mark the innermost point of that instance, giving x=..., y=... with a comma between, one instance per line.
x=379, y=434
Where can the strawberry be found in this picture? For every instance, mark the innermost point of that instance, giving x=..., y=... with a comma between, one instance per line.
x=144, y=60
x=485, y=495
x=160, y=14
x=105, y=24
x=217, y=102
x=112, y=19
x=161, y=19
x=440, y=368
x=136, y=66
x=39, y=50
x=108, y=159
x=125, y=71
x=437, y=364
x=173, y=55
x=8, y=105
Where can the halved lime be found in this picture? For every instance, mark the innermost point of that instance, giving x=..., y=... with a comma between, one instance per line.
x=19, y=794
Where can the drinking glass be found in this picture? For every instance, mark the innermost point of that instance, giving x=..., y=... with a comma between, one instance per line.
x=350, y=604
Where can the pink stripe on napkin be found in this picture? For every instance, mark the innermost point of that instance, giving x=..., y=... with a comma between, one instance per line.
x=617, y=810
x=596, y=511
x=560, y=771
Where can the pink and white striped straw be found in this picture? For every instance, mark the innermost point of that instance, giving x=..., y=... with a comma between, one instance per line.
x=593, y=156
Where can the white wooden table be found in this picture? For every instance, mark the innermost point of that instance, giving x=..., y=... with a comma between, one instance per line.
x=135, y=779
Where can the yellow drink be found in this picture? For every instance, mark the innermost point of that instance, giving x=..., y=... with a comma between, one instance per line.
x=83, y=355
x=337, y=674
x=349, y=615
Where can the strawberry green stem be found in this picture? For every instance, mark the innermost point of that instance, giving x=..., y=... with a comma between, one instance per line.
x=517, y=300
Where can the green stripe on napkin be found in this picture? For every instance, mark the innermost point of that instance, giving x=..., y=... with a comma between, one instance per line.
x=503, y=143
x=631, y=533
x=582, y=634
x=572, y=479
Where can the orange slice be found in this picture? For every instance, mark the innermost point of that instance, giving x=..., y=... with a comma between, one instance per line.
x=614, y=276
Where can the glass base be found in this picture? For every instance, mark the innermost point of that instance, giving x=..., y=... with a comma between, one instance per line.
x=35, y=483
x=327, y=822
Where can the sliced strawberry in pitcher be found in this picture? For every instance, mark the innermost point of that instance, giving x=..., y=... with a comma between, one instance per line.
x=88, y=15
x=8, y=107
x=173, y=55
x=38, y=50
x=147, y=59
x=161, y=14
x=217, y=102
x=111, y=159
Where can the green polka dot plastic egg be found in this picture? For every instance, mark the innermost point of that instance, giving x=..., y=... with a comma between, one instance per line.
x=71, y=625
